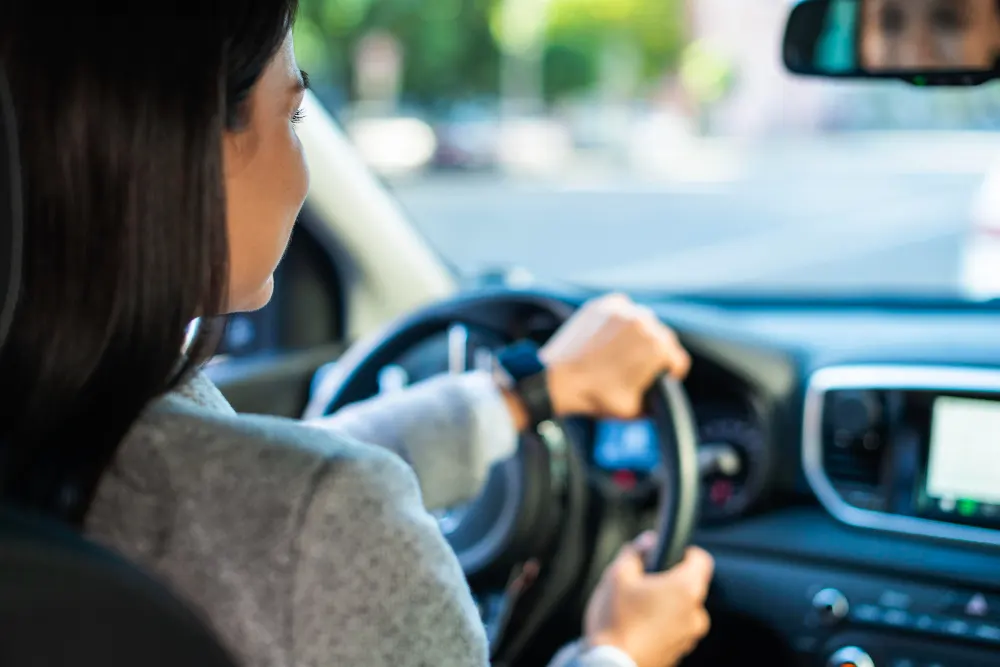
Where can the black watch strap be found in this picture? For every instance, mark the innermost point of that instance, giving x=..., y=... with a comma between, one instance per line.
x=528, y=380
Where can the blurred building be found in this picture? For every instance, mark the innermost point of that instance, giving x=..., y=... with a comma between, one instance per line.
x=764, y=98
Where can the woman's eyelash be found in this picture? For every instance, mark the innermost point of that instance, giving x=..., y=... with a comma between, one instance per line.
x=298, y=116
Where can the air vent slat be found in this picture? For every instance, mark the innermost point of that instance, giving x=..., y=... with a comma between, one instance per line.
x=852, y=423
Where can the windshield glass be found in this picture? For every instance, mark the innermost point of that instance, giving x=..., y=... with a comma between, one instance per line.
x=659, y=145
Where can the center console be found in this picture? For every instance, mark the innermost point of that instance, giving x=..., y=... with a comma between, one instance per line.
x=841, y=618
x=907, y=449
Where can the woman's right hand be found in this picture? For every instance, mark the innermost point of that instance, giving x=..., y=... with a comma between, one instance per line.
x=656, y=618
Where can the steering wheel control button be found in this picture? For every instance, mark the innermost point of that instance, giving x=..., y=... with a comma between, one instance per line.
x=850, y=656
x=831, y=606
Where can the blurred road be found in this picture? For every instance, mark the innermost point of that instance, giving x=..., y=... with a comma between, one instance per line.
x=847, y=217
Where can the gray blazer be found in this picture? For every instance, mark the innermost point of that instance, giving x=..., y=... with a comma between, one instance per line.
x=302, y=545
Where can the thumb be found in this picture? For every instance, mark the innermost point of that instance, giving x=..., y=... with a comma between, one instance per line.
x=694, y=572
x=630, y=562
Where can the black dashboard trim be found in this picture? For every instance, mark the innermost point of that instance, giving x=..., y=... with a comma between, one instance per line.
x=808, y=534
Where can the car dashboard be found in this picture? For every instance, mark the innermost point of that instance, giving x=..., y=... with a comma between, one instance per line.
x=873, y=538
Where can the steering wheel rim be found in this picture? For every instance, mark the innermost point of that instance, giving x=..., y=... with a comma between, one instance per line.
x=671, y=412
x=352, y=378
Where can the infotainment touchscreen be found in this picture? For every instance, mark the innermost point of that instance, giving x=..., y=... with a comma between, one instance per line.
x=963, y=457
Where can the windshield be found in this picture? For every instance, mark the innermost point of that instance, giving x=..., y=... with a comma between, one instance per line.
x=659, y=145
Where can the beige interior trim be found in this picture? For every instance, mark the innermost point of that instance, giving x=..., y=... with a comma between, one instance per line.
x=399, y=271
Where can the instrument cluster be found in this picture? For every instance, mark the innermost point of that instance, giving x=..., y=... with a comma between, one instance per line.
x=733, y=459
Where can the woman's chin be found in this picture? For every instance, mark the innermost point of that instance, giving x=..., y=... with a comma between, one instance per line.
x=243, y=303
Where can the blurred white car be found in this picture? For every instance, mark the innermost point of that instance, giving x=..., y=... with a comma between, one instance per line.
x=468, y=138
x=393, y=145
x=980, y=277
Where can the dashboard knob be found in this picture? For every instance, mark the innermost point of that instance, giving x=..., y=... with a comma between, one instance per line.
x=850, y=656
x=831, y=605
x=722, y=459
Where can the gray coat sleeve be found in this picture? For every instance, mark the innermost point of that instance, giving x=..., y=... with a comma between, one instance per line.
x=375, y=582
x=451, y=429
x=578, y=655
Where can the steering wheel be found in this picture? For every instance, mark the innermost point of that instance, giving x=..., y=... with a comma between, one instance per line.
x=533, y=508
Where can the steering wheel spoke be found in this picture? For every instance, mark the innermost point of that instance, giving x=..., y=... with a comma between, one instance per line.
x=522, y=577
x=458, y=348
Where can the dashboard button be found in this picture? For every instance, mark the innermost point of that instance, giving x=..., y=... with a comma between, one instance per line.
x=850, y=656
x=977, y=606
x=987, y=632
x=897, y=618
x=957, y=628
x=831, y=605
x=867, y=613
x=894, y=600
x=974, y=606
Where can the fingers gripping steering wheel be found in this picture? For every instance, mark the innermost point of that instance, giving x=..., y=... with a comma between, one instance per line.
x=505, y=313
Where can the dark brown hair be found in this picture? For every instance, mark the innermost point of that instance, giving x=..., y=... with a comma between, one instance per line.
x=121, y=118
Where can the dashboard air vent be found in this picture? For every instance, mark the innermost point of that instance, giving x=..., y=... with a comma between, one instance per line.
x=854, y=437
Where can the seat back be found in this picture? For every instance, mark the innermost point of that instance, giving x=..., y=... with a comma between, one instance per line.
x=65, y=601
x=11, y=215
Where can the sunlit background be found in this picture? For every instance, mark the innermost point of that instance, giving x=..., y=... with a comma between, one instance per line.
x=658, y=144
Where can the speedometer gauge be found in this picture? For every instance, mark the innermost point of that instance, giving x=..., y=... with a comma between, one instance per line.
x=733, y=462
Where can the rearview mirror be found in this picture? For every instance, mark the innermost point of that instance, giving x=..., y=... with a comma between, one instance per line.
x=925, y=42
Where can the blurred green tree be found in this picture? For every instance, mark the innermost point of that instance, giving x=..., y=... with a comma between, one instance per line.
x=580, y=32
x=448, y=50
x=451, y=51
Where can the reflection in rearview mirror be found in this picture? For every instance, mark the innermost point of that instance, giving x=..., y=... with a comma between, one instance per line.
x=944, y=42
x=926, y=35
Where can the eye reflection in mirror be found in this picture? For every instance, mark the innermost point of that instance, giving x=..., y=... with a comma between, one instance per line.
x=905, y=35
x=942, y=42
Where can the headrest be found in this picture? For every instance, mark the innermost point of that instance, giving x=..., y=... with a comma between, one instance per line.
x=11, y=213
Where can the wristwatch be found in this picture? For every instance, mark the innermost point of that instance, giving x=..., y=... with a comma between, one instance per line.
x=520, y=371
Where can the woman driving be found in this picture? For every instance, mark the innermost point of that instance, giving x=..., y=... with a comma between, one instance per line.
x=162, y=177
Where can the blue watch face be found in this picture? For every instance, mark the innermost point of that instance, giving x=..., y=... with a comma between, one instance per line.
x=521, y=360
